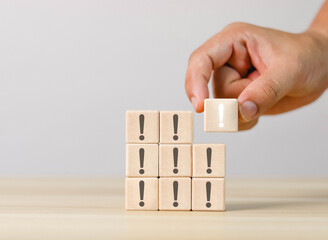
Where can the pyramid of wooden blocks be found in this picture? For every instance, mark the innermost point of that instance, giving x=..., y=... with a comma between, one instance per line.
x=165, y=171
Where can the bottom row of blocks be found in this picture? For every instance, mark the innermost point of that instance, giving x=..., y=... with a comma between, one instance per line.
x=205, y=194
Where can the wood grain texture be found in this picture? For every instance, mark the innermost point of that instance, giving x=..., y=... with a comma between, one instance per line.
x=175, y=160
x=176, y=127
x=142, y=126
x=208, y=194
x=175, y=194
x=94, y=209
x=141, y=194
x=141, y=160
x=209, y=160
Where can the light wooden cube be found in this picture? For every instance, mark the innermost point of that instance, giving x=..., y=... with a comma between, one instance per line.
x=176, y=127
x=175, y=194
x=141, y=193
x=221, y=115
x=208, y=194
x=175, y=160
x=142, y=160
x=209, y=160
x=142, y=126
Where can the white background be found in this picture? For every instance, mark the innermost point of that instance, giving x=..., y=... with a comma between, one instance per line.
x=70, y=69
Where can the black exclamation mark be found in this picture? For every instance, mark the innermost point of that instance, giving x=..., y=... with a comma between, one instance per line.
x=175, y=160
x=175, y=126
x=208, y=194
x=141, y=190
x=142, y=159
x=209, y=158
x=175, y=193
x=141, y=122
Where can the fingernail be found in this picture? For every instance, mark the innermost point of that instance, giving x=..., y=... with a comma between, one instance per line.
x=248, y=110
x=194, y=102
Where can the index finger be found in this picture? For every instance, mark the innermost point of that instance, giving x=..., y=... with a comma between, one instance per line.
x=212, y=54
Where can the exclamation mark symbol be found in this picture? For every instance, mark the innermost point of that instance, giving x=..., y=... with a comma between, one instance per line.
x=209, y=160
x=175, y=193
x=175, y=160
x=141, y=159
x=141, y=122
x=175, y=126
x=221, y=110
x=141, y=190
x=208, y=194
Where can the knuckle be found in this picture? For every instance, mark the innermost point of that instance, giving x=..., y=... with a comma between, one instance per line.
x=271, y=89
x=200, y=59
x=194, y=55
x=236, y=26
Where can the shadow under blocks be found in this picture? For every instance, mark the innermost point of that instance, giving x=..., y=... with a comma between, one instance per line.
x=165, y=170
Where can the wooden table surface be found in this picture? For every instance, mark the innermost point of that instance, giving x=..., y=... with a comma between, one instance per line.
x=94, y=209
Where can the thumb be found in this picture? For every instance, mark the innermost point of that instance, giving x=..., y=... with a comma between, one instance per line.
x=261, y=94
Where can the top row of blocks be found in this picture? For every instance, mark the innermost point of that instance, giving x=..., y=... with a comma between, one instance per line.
x=163, y=127
x=220, y=115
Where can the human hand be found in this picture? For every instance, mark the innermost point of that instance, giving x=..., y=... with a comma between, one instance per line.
x=269, y=71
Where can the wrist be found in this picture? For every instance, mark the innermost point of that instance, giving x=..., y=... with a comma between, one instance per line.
x=319, y=24
x=316, y=44
x=317, y=31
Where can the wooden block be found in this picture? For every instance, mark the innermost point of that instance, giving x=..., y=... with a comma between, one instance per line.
x=175, y=160
x=142, y=160
x=174, y=194
x=176, y=127
x=208, y=194
x=209, y=160
x=221, y=115
x=142, y=126
x=141, y=193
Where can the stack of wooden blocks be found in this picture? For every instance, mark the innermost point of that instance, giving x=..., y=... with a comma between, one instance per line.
x=165, y=171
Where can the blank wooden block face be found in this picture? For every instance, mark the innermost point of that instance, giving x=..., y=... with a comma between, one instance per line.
x=221, y=115
x=142, y=126
x=141, y=193
x=142, y=160
x=175, y=160
x=208, y=194
x=209, y=160
x=174, y=193
x=176, y=127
